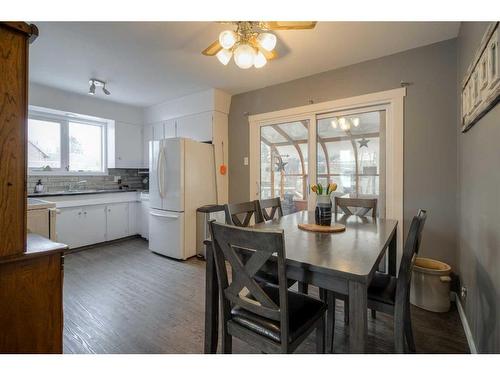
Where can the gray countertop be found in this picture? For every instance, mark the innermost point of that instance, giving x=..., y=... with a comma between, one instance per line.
x=80, y=192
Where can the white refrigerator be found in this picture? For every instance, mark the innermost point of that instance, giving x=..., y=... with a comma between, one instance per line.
x=181, y=179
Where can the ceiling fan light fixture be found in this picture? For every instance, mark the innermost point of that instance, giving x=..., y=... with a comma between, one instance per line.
x=355, y=121
x=334, y=123
x=227, y=39
x=244, y=56
x=267, y=41
x=224, y=56
x=344, y=125
x=105, y=90
x=260, y=60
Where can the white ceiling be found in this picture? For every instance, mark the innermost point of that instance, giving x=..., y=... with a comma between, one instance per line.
x=148, y=63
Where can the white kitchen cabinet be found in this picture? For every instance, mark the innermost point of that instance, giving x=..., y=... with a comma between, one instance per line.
x=197, y=126
x=81, y=226
x=158, y=131
x=117, y=223
x=170, y=129
x=147, y=135
x=143, y=219
x=128, y=145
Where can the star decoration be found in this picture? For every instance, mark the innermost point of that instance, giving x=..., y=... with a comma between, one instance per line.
x=280, y=166
x=363, y=143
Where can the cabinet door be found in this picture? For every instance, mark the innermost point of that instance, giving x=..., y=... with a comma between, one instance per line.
x=147, y=136
x=158, y=133
x=38, y=222
x=68, y=224
x=93, y=227
x=128, y=145
x=144, y=219
x=197, y=127
x=117, y=221
x=170, y=130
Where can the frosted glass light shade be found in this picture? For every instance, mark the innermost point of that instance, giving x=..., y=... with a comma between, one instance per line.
x=224, y=56
x=355, y=121
x=227, y=39
x=267, y=41
x=244, y=56
x=344, y=125
x=260, y=60
x=334, y=123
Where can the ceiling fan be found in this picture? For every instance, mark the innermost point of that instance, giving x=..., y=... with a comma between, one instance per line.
x=251, y=43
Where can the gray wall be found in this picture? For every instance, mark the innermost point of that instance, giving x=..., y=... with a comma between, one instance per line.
x=479, y=209
x=430, y=165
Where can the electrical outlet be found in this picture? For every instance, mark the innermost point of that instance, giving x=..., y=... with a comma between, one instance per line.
x=463, y=293
x=245, y=160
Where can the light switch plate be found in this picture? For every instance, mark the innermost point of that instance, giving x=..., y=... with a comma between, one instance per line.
x=245, y=160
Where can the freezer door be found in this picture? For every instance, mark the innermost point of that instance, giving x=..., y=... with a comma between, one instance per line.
x=172, y=157
x=166, y=233
x=154, y=181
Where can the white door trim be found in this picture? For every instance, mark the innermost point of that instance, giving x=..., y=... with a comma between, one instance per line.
x=392, y=99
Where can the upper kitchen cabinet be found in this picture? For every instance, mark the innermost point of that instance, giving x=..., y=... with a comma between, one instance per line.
x=198, y=126
x=128, y=145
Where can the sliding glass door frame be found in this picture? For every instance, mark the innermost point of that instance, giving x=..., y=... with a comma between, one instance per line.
x=392, y=101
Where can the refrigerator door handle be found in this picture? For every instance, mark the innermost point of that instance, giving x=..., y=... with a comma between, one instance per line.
x=164, y=215
x=159, y=172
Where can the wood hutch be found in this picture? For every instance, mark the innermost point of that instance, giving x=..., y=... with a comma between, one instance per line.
x=31, y=266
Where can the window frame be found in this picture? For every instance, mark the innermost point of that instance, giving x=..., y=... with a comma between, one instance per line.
x=64, y=121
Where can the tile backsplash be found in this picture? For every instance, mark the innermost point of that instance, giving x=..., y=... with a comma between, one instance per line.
x=130, y=177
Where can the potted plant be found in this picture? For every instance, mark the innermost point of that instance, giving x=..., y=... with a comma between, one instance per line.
x=323, y=212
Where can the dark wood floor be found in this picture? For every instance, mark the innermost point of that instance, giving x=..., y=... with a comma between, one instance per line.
x=121, y=298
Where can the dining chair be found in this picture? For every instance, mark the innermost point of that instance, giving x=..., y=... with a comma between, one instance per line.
x=391, y=295
x=269, y=317
x=363, y=205
x=240, y=215
x=270, y=208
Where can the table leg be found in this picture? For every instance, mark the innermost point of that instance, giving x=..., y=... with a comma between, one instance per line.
x=393, y=253
x=358, y=317
x=211, y=303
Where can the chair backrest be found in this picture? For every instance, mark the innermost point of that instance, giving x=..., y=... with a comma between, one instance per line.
x=240, y=214
x=269, y=208
x=364, y=205
x=410, y=251
x=228, y=242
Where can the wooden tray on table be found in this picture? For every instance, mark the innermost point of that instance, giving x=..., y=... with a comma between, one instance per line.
x=335, y=228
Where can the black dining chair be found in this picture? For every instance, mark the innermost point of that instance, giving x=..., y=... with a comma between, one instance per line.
x=363, y=205
x=268, y=317
x=391, y=295
x=270, y=208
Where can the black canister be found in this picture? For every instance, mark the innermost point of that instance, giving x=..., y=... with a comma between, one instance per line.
x=323, y=212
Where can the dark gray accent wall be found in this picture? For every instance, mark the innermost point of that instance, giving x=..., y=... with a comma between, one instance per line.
x=430, y=165
x=479, y=209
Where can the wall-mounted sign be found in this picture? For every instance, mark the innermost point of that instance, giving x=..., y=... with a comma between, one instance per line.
x=481, y=84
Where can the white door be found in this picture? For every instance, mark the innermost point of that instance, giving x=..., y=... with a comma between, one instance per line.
x=117, y=221
x=68, y=225
x=93, y=224
x=128, y=145
x=197, y=127
x=171, y=175
x=166, y=233
x=169, y=130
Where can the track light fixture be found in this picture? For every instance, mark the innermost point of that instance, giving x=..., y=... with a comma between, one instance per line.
x=93, y=82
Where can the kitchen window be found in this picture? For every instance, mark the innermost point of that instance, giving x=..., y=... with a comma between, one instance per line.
x=60, y=144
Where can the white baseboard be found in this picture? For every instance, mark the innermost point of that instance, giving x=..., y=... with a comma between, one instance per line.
x=465, y=323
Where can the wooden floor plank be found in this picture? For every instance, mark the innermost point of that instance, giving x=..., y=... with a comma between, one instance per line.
x=121, y=298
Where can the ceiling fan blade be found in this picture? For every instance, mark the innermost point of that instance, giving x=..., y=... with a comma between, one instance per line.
x=212, y=49
x=289, y=25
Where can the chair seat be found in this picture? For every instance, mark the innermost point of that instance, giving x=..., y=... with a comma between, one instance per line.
x=304, y=311
x=383, y=288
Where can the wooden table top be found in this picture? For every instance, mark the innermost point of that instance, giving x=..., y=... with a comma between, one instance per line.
x=353, y=254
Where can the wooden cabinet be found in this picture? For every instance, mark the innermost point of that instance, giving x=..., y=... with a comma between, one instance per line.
x=31, y=278
x=117, y=221
x=128, y=145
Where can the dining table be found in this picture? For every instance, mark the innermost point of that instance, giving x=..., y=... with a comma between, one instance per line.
x=342, y=262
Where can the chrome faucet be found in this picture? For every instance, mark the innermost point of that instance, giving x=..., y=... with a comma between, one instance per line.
x=72, y=186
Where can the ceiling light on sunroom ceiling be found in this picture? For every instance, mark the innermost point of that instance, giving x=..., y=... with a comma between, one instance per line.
x=251, y=43
x=93, y=83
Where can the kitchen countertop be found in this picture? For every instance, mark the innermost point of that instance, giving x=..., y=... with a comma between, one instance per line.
x=37, y=204
x=80, y=192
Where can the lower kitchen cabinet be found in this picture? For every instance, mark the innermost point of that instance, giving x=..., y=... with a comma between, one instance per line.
x=117, y=221
x=81, y=226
